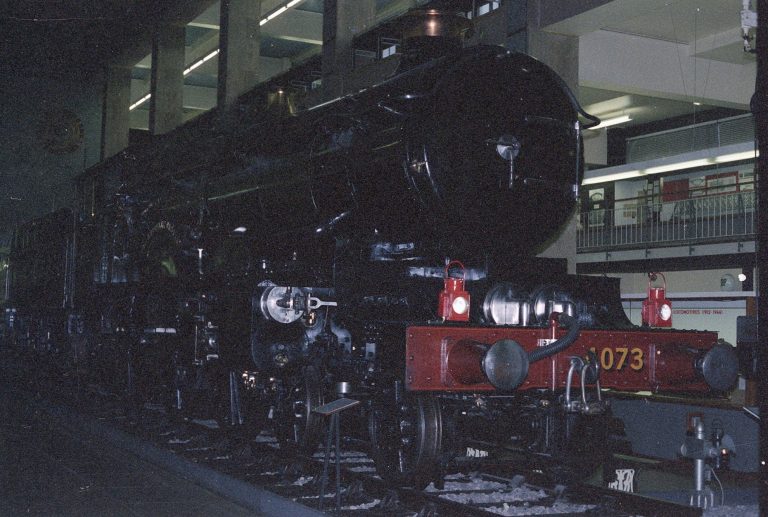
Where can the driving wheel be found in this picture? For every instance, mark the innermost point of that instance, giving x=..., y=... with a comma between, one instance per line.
x=297, y=428
x=406, y=438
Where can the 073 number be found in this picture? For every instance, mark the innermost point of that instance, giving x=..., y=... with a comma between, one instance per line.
x=620, y=357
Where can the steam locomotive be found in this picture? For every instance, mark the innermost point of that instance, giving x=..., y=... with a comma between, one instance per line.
x=381, y=247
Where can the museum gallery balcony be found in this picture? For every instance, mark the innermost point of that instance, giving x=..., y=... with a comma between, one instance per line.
x=684, y=192
x=713, y=227
x=640, y=223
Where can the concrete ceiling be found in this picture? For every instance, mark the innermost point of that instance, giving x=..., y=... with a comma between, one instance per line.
x=625, y=47
x=681, y=21
x=657, y=59
x=55, y=37
x=286, y=40
x=289, y=39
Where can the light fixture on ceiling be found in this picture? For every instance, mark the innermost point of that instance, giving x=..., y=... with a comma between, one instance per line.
x=735, y=157
x=271, y=16
x=673, y=166
x=688, y=164
x=185, y=73
x=200, y=62
x=280, y=10
x=612, y=122
x=139, y=102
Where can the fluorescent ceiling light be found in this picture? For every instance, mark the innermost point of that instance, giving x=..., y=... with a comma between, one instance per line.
x=277, y=12
x=612, y=177
x=271, y=16
x=139, y=102
x=689, y=164
x=612, y=122
x=735, y=157
x=674, y=166
x=200, y=62
x=186, y=72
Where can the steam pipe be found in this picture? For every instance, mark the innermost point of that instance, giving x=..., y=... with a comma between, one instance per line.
x=561, y=344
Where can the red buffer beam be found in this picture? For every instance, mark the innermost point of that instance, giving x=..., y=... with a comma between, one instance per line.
x=454, y=359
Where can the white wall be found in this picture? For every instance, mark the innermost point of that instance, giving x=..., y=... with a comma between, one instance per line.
x=678, y=282
x=698, y=303
x=714, y=315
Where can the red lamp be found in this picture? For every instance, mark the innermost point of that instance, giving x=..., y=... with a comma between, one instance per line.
x=657, y=310
x=453, y=303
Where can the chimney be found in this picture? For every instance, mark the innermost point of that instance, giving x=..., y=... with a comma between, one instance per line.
x=431, y=33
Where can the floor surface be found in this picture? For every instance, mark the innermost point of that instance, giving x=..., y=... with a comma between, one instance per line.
x=46, y=471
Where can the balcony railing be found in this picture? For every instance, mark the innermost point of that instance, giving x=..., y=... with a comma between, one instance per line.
x=642, y=223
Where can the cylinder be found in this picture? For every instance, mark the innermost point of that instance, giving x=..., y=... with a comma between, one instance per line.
x=698, y=463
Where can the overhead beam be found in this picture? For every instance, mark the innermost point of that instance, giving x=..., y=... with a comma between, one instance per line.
x=585, y=16
x=293, y=25
x=726, y=46
x=178, y=12
x=199, y=97
x=208, y=19
x=296, y=25
x=268, y=67
x=202, y=49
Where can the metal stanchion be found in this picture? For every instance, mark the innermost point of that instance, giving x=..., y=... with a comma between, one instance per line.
x=333, y=409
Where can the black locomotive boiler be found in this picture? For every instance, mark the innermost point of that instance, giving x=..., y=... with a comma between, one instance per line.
x=273, y=263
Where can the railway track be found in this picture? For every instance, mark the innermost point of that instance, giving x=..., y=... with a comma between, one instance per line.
x=497, y=489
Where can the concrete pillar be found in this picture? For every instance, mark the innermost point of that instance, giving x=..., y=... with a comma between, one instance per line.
x=524, y=34
x=342, y=21
x=517, y=26
x=561, y=53
x=167, y=84
x=760, y=109
x=596, y=146
x=115, y=120
x=239, y=44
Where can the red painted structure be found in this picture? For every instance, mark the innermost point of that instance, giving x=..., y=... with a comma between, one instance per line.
x=448, y=358
x=657, y=310
x=453, y=302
